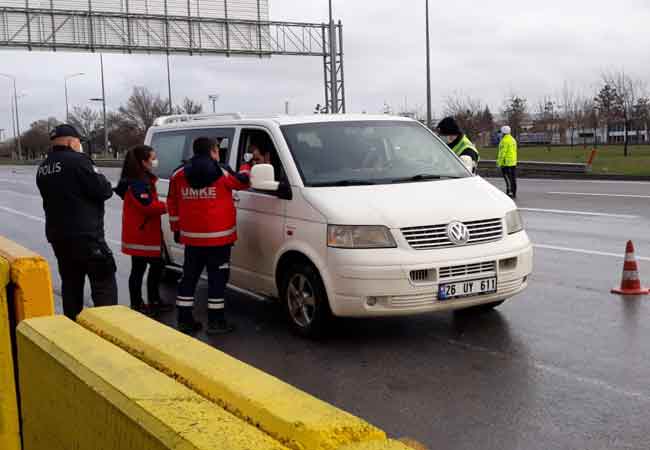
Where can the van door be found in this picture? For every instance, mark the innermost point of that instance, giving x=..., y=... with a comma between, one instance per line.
x=260, y=223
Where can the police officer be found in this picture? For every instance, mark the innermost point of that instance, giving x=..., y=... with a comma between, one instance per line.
x=202, y=216
x=74, y=193
x=458, y=141
x=507, y=160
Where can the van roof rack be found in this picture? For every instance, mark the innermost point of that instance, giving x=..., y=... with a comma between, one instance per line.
x=165, y=120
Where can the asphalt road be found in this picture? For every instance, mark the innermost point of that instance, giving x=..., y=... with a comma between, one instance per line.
x=565, y=365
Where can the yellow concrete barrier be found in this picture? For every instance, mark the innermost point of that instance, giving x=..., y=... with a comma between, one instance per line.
x=79, y=391
x=293, y=417
x=9, y=430
x=30, y=274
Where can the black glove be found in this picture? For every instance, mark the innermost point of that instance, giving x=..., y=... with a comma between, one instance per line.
x=177, y=237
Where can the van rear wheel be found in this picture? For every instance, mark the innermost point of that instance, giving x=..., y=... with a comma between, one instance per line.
x=305, y=300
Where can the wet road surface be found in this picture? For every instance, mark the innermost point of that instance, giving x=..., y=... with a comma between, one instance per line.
x=565, y=365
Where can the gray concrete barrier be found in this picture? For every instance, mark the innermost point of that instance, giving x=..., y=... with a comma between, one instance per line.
x=537, y=169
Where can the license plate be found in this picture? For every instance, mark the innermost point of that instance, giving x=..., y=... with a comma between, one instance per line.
x=467, y=288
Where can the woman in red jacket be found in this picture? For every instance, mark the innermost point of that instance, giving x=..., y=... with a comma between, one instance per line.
x=141, y=232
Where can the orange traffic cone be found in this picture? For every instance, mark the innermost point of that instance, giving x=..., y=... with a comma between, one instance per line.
x=630, y=284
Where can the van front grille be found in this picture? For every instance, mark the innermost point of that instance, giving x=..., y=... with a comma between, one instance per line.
x=469, y=270
x=435, y=236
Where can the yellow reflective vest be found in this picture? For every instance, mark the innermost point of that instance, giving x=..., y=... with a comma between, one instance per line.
x=466, y=144
x=507, y=156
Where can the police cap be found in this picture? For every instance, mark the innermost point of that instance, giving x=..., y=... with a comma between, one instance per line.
x=64, y=130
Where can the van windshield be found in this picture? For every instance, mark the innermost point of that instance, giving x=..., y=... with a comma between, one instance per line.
x=369, y=152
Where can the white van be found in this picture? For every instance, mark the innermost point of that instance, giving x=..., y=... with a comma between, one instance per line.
x=356, y=216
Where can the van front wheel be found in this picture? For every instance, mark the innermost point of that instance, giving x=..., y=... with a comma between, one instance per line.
x=305, y=300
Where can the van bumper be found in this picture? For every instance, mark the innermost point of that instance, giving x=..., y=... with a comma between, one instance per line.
x=361, y=286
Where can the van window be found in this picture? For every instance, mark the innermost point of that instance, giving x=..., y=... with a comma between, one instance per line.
x=171, y=149
x=261, y=139
x=175, y=147
x=369, y=152
x=225, y=135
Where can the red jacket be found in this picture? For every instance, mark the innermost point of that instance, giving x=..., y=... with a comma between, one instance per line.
x=141, y=231
x=200, y=202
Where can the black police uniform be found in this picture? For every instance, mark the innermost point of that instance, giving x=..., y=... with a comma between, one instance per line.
x=73, y=194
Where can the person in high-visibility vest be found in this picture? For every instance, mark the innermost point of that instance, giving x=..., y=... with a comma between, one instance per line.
x=507, y=160
x=458, y=141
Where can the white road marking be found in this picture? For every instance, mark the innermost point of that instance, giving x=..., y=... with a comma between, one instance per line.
x=26, y=183
x=42, y=220
x=586, y=252
x=20, y=213
x=20, y=194
x=588, y=194
x=578, y=213
x=557, y=371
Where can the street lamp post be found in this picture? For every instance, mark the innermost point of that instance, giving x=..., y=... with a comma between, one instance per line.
x=101, y=63
x=428, y=68
x=169, y=87
x=103, y=100
x=65, y=79
x=18, y=141
x=214, y=99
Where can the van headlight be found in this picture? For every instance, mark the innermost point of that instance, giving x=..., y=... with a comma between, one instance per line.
x=362, y=236
x=514, y=223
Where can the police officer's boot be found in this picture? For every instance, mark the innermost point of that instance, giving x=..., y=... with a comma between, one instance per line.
x=217, y=323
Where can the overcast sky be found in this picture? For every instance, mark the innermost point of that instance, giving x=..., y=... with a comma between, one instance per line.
x=485, y=50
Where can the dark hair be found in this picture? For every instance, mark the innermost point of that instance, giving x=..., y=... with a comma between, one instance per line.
x=263, y=149
x=133, y=168
x=203, y=145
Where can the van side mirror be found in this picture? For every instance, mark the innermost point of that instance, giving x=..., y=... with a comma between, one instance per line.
x=468, y=162
x=263, y=178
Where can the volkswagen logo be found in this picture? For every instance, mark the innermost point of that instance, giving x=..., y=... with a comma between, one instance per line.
x=458, y=233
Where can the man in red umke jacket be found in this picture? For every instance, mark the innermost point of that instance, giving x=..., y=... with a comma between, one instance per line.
x=203, y=218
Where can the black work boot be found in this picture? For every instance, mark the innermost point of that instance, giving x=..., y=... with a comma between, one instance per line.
x=217, y=324
x=160, y=307
x=186, y=322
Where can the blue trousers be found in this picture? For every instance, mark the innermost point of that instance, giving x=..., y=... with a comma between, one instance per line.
x=217, y=262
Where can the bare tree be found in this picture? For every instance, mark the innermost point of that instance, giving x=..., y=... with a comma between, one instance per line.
x=607, y=103
x=571, y=103
x=547, y=117
x=515, y=110
x=142, y=108
x=86, y=120
x=629, y=92
x=36, y=141
x=189, y=106
x=472, y=116
x=642, y=115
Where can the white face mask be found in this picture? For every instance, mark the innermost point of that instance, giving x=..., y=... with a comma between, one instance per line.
x=155, y=163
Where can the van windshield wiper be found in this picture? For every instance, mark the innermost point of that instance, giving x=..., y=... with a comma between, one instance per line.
x=422, y=177
x=344, y=183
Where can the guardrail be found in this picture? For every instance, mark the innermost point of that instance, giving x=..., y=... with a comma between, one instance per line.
x=488, y=168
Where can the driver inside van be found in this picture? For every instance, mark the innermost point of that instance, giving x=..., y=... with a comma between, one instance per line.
x=259, y=154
